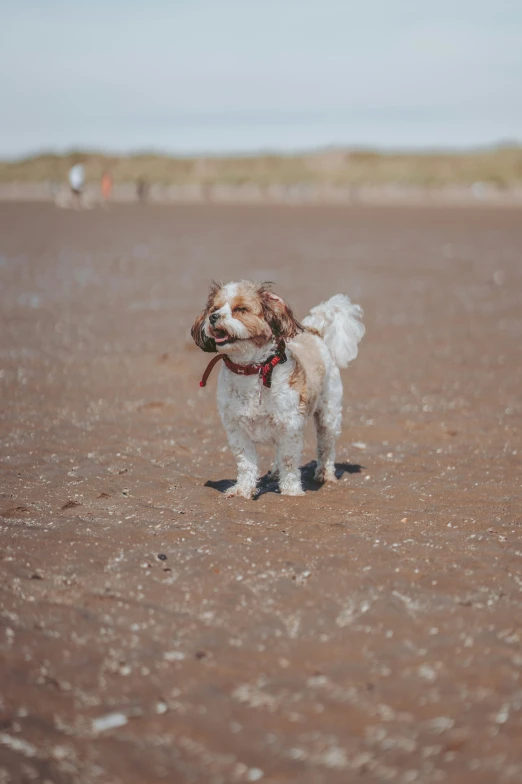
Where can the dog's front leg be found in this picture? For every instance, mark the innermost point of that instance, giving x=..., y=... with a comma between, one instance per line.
x=289, y=451
x=244, y=451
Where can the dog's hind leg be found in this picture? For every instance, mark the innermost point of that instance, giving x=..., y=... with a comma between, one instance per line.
x=325, y=471
x=327, y=419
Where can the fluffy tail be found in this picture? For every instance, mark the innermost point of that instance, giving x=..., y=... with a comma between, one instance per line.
x=337, y=321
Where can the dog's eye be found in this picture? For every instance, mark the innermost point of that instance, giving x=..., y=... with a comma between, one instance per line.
x=240, y=310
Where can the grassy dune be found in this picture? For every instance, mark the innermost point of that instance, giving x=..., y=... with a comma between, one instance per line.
x=501, y=167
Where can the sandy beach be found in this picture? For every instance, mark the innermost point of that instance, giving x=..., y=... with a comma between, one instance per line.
x=153, y=631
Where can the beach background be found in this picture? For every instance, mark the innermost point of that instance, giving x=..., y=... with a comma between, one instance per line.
x=264, y=102
x=325, y=176
x=151, y=630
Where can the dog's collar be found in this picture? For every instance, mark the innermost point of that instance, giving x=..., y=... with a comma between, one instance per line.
x=264, y=370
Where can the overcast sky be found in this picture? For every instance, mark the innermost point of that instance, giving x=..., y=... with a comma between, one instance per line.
x=247, y=75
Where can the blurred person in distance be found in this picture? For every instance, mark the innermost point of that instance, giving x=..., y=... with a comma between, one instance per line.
x=77, y=182
x=141, y=190
x=106, y=186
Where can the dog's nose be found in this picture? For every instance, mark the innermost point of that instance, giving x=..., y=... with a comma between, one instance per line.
x=213, y=318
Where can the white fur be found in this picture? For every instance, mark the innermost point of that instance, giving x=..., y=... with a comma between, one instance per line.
x=233, y=326
x=253, y=414
x=337, y=321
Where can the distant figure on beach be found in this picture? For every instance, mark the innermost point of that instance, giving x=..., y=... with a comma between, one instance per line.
x=141, y=190
x=106, y=186
x=77, y=182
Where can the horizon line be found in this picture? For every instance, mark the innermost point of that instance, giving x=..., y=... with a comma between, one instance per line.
x=259, y=152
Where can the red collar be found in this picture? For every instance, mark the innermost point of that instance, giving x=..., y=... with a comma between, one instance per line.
x=264, y=371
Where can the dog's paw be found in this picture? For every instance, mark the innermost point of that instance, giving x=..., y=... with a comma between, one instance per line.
x=240, y=492
x=292, y=490
x=319, y=475
x=324, y=475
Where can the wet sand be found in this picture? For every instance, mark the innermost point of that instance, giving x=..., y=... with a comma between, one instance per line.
x=153, y=631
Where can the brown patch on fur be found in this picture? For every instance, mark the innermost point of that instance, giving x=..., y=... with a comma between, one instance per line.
x=313, y=331
x=216, y=300
x=278, y=314
x=297, y=381
x=247, y=307
x=308, y=375
x=198, y=335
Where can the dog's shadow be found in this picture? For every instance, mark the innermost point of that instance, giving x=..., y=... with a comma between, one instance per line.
x=269, y=484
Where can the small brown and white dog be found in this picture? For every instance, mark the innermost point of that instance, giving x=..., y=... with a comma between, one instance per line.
x=276, y=372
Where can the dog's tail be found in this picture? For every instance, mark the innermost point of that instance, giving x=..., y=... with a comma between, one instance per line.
x=338, y=323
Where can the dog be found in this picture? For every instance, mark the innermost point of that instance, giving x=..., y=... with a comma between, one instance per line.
x=275, y=373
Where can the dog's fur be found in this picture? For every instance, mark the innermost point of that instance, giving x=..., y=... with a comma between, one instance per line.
x=249, y=321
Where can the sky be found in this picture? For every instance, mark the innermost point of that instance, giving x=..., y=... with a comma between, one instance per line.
x=235, y=76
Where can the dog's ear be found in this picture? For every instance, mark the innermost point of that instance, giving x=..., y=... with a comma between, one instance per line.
x=278, y=314
x=199, y=336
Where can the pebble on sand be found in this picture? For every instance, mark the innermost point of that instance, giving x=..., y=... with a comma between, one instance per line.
x=109, y=722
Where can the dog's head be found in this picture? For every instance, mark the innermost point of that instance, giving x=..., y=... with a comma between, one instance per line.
x=240, y=312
